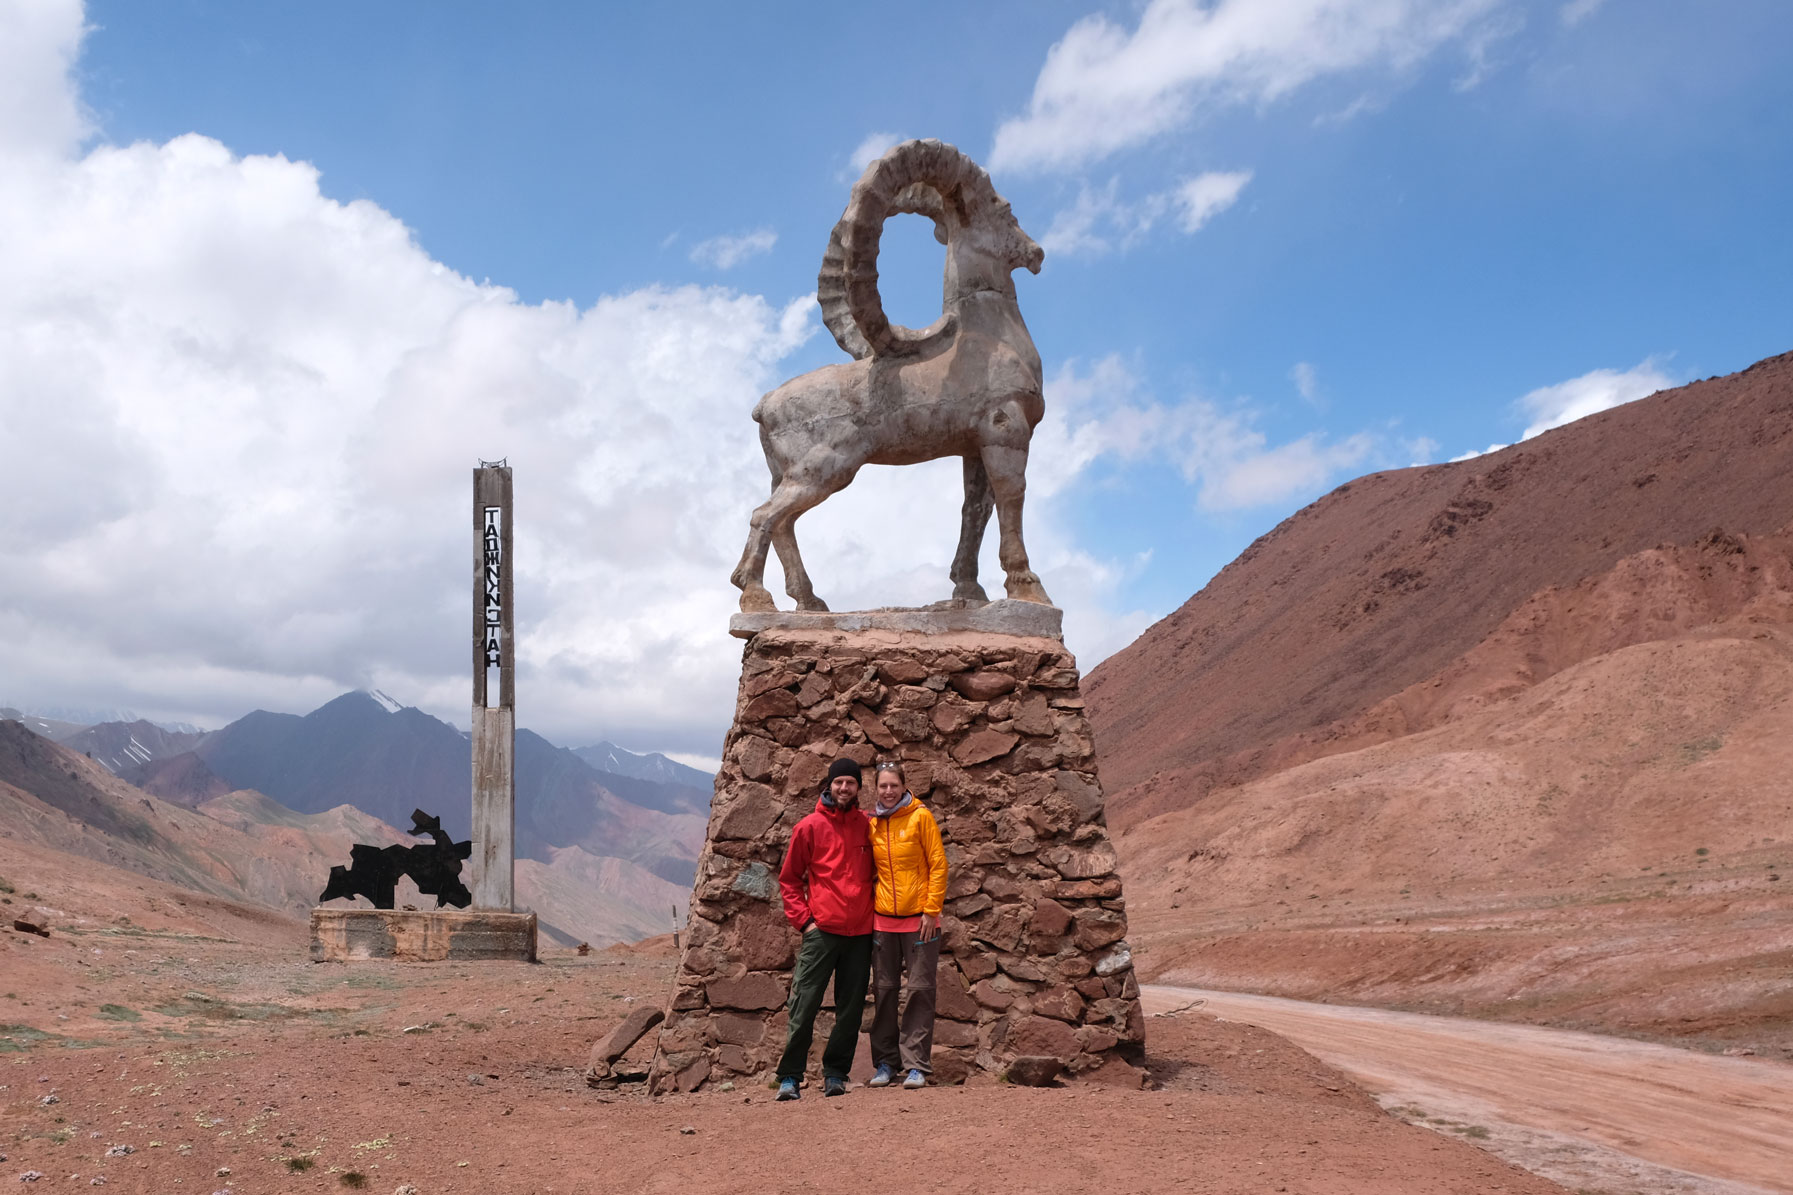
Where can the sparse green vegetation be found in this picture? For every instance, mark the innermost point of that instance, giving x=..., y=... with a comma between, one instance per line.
x=118, y=1012
x=1702, y=852
x=15, y=1039
x=353, y=1178
x=300, y=1165
x=6, y=887
x=1699, y=749
x=1476, y=1132
x=198, y=1004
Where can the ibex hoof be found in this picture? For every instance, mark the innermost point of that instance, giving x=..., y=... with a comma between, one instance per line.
x=813, y=604
x=756, y=599
x=1027, y=588
x=969, y=591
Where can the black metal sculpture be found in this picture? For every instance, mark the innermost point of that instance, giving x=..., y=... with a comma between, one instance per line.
x=435, y=868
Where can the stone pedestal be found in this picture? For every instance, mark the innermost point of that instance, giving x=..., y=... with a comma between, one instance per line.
x=991, y=731
x=338, y=935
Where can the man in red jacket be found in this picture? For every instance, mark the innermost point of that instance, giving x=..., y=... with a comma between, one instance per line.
x=827, y=884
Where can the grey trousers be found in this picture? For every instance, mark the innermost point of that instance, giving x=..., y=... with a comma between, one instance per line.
x=905, y=1038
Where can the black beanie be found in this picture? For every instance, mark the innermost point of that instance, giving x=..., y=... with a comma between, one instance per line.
x=844, y=767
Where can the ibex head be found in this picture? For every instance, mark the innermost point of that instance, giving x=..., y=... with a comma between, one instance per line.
x=984, y=244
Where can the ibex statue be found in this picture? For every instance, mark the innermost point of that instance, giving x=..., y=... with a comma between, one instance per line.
x=968, y=385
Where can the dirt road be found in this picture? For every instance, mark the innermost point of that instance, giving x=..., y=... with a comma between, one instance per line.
x=1579, y=1108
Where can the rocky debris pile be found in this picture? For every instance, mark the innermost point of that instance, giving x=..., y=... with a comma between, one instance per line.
x=993, y=738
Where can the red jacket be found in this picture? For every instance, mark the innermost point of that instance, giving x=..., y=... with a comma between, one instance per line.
x=827, y=872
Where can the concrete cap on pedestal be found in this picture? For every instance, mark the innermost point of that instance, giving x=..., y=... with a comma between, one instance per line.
x=1005, y=617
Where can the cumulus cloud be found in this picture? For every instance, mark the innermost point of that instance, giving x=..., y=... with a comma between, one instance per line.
x=1306, y=379
x=1104, y=412
x=1104, y=88
x=1577, y=11
x=727, y=252
x=39, y=117
x=241, y=417
x=1205, y=196
x=1596, y=390
x=1100, y=221
x=870, y=150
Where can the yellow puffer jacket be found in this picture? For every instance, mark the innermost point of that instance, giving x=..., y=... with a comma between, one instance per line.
x=910, y=861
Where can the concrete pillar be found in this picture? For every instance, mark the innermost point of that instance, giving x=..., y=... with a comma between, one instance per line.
x=494, y=722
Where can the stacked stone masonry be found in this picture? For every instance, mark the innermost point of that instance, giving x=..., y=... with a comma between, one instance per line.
x=992, y=734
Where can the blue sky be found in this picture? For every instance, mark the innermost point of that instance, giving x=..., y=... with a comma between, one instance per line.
x=1288, y=242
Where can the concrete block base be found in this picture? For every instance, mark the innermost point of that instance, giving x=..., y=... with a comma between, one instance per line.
x=338, y=935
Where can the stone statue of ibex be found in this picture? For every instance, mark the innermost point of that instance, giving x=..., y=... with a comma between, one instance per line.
x=967, y=385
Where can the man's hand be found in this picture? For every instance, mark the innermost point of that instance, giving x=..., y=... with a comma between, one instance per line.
x=809, y=925
x=930, y=927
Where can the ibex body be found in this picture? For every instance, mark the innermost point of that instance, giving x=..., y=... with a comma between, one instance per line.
x=969, y=385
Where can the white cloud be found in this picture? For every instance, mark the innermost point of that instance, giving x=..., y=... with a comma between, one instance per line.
x=871, y=149
x=727, y=252
x=1264, y=476
x=1103, y=89
x=1100, y=221
x=39, y=117
x=1104, y=413
x=1306, y=379
x=1596, y=390
x=1205, y=196
x=1577, y=11
x=1422, y=449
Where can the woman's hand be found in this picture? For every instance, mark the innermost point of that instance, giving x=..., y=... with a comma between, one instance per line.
x=930, y=927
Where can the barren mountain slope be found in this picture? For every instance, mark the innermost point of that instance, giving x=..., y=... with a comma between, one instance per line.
x=183, y=779
x=125, y=745
x=52, y=797
x=1611, y=848
x=583, y=897
x=1390, y=578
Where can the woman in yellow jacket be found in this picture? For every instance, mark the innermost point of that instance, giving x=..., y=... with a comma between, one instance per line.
x=911, y=869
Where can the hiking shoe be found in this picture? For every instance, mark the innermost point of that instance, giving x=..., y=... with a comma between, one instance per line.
x=915, y=1079
x=787, y=1090
x=881, y=1077
x=834, y=1086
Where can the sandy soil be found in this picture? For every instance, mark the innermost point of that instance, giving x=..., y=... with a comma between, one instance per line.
x=195, y=1035
x=1593, y=1112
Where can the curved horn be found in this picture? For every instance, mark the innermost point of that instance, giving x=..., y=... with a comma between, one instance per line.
x=920, y=199
x=925, y=177
x=831, y=293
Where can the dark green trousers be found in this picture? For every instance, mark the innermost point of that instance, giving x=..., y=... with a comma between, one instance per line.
x=847, y=960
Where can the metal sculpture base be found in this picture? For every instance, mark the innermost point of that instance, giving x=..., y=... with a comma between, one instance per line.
x=341, y=935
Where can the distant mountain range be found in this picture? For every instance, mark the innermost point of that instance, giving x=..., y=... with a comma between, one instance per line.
x=212, y=837
x=608, y=757
x=366, y=750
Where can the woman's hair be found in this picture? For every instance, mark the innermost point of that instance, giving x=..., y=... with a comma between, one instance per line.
x=889, y=765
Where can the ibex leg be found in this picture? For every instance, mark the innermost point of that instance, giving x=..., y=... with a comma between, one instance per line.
x=972, y=520
x=750, y=575
x=1007, y=469
x=796, y=579
x=792, y=497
